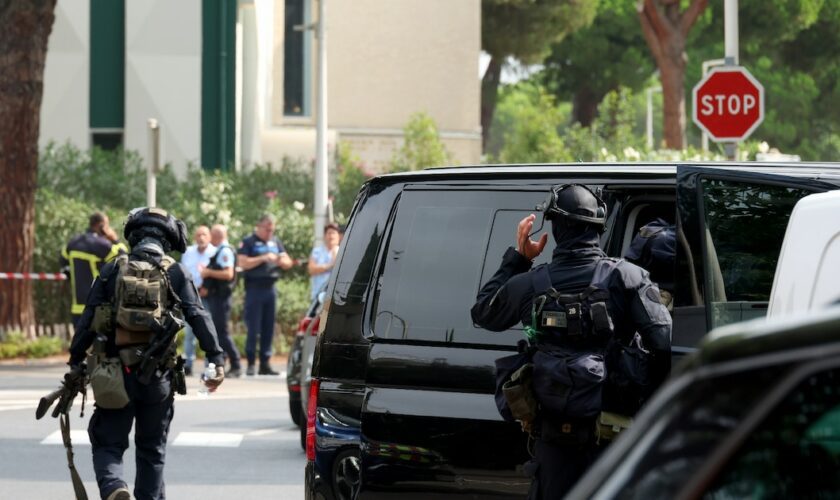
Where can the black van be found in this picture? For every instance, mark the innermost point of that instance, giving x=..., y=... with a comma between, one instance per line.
x=401, y=398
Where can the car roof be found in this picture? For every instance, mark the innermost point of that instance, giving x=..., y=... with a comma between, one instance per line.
x=767, y=336
x=822, y=171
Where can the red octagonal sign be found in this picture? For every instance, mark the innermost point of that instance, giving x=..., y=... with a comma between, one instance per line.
x=728, y=104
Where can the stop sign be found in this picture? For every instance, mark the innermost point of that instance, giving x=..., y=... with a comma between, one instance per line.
x=728, y=104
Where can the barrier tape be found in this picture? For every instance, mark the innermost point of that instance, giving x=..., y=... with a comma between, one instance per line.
x=33, y=276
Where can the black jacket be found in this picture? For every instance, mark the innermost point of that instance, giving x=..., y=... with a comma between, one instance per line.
x=634, y=300
x=182, y=285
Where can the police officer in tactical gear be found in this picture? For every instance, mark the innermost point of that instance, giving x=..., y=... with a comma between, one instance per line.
x=572, y=335
x=149, y=383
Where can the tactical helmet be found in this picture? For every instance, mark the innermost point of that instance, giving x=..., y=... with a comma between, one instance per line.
x=171, y=228
x=575, y=202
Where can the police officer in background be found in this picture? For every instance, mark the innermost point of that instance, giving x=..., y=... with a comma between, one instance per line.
x=219, y=280
x=84, y=256
x=565, y=447
x=151, y=233
x=261, y=257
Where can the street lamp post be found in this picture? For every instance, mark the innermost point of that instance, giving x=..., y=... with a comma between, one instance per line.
x=730, y=41
x=321, y=171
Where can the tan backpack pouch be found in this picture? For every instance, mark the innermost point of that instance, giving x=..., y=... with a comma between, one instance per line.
x=108, y=386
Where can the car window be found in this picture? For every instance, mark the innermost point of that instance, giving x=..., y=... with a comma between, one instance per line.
x=686, y=432
x=795, y=452
x=744, y=228
x=444, y=246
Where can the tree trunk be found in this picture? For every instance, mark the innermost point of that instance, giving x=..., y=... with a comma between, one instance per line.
x=672, y=77
x=24, y=30
x=585, y=106
x=489, y=95
x=666, y=27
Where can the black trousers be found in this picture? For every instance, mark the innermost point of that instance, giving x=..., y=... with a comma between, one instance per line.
x=556, y=468
x=220, y=313
x=152, y=409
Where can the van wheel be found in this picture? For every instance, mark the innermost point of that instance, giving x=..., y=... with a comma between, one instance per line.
x=346, y=477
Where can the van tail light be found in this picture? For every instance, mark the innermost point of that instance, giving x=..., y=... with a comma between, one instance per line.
x=314, y=385
x=303, y=323
x=315, y=324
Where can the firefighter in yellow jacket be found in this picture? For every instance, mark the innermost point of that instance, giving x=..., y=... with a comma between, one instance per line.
x=84, y=256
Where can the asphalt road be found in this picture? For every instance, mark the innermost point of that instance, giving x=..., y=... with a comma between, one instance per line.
x=237, y=443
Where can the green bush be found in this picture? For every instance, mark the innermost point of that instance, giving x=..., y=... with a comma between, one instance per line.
x=348, y=182
x=292, y=302
x=16, y=345
x=422, y=147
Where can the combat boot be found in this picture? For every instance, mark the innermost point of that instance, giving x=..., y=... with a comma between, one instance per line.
x=120, y=494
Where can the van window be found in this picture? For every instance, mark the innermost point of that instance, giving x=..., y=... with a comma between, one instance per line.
x=444, y=246
x=744, y=228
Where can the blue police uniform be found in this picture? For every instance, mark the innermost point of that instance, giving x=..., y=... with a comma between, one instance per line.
x=260, y=298
x=151, y=406
x=634, y=306
x=219, y=302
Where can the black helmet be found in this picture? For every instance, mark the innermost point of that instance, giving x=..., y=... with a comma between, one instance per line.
x=575, y=202
x=157, y=221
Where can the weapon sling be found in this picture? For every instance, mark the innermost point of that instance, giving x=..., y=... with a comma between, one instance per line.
x=78, y=486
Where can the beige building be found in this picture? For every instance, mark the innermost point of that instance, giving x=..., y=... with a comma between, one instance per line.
x=236, y=84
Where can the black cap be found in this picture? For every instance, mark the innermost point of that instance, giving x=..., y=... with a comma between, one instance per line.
x=173, y=229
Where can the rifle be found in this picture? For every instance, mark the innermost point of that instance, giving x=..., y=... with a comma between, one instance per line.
x=157, y=353
x=73, y=383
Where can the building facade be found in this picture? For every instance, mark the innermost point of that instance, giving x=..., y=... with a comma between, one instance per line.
x=234, y=83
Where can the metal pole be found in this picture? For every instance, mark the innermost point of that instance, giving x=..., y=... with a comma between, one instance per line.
x=321, y=135
x=153, y=165
x=707, y=65
x=730, y=38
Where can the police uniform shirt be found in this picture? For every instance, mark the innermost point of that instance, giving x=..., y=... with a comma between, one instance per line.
x=85, y=255
x=266, y=273
x=225, y=257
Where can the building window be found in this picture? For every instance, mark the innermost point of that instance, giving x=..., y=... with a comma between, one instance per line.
x=108, y=140
x=296, y=65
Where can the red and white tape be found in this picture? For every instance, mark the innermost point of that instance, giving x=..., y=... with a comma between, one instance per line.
x=33, y=276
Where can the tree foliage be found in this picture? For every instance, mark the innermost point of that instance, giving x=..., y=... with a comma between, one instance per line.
x=596, y=59
x=523, y=30
x=421, y=147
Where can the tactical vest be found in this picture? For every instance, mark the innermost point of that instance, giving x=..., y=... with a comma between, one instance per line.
x=572, y=317
x=572, y=331
x=142, y=298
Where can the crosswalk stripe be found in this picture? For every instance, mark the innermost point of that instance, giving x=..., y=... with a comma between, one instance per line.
x=78, y=437
x=197, y=439
x=208, y=439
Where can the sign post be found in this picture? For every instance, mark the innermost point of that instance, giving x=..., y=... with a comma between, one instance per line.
x=728, y=104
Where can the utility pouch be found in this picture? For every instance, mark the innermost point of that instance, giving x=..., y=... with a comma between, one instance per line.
x=601, y=321
x=103, y=319
x=609, y=425
x=573, y=326
x=106, y=380
x=519, y=394
x=130, y=356
x=179, y=378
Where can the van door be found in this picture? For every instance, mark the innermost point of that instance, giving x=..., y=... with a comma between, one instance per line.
x=429, y=423
x=731, y=226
